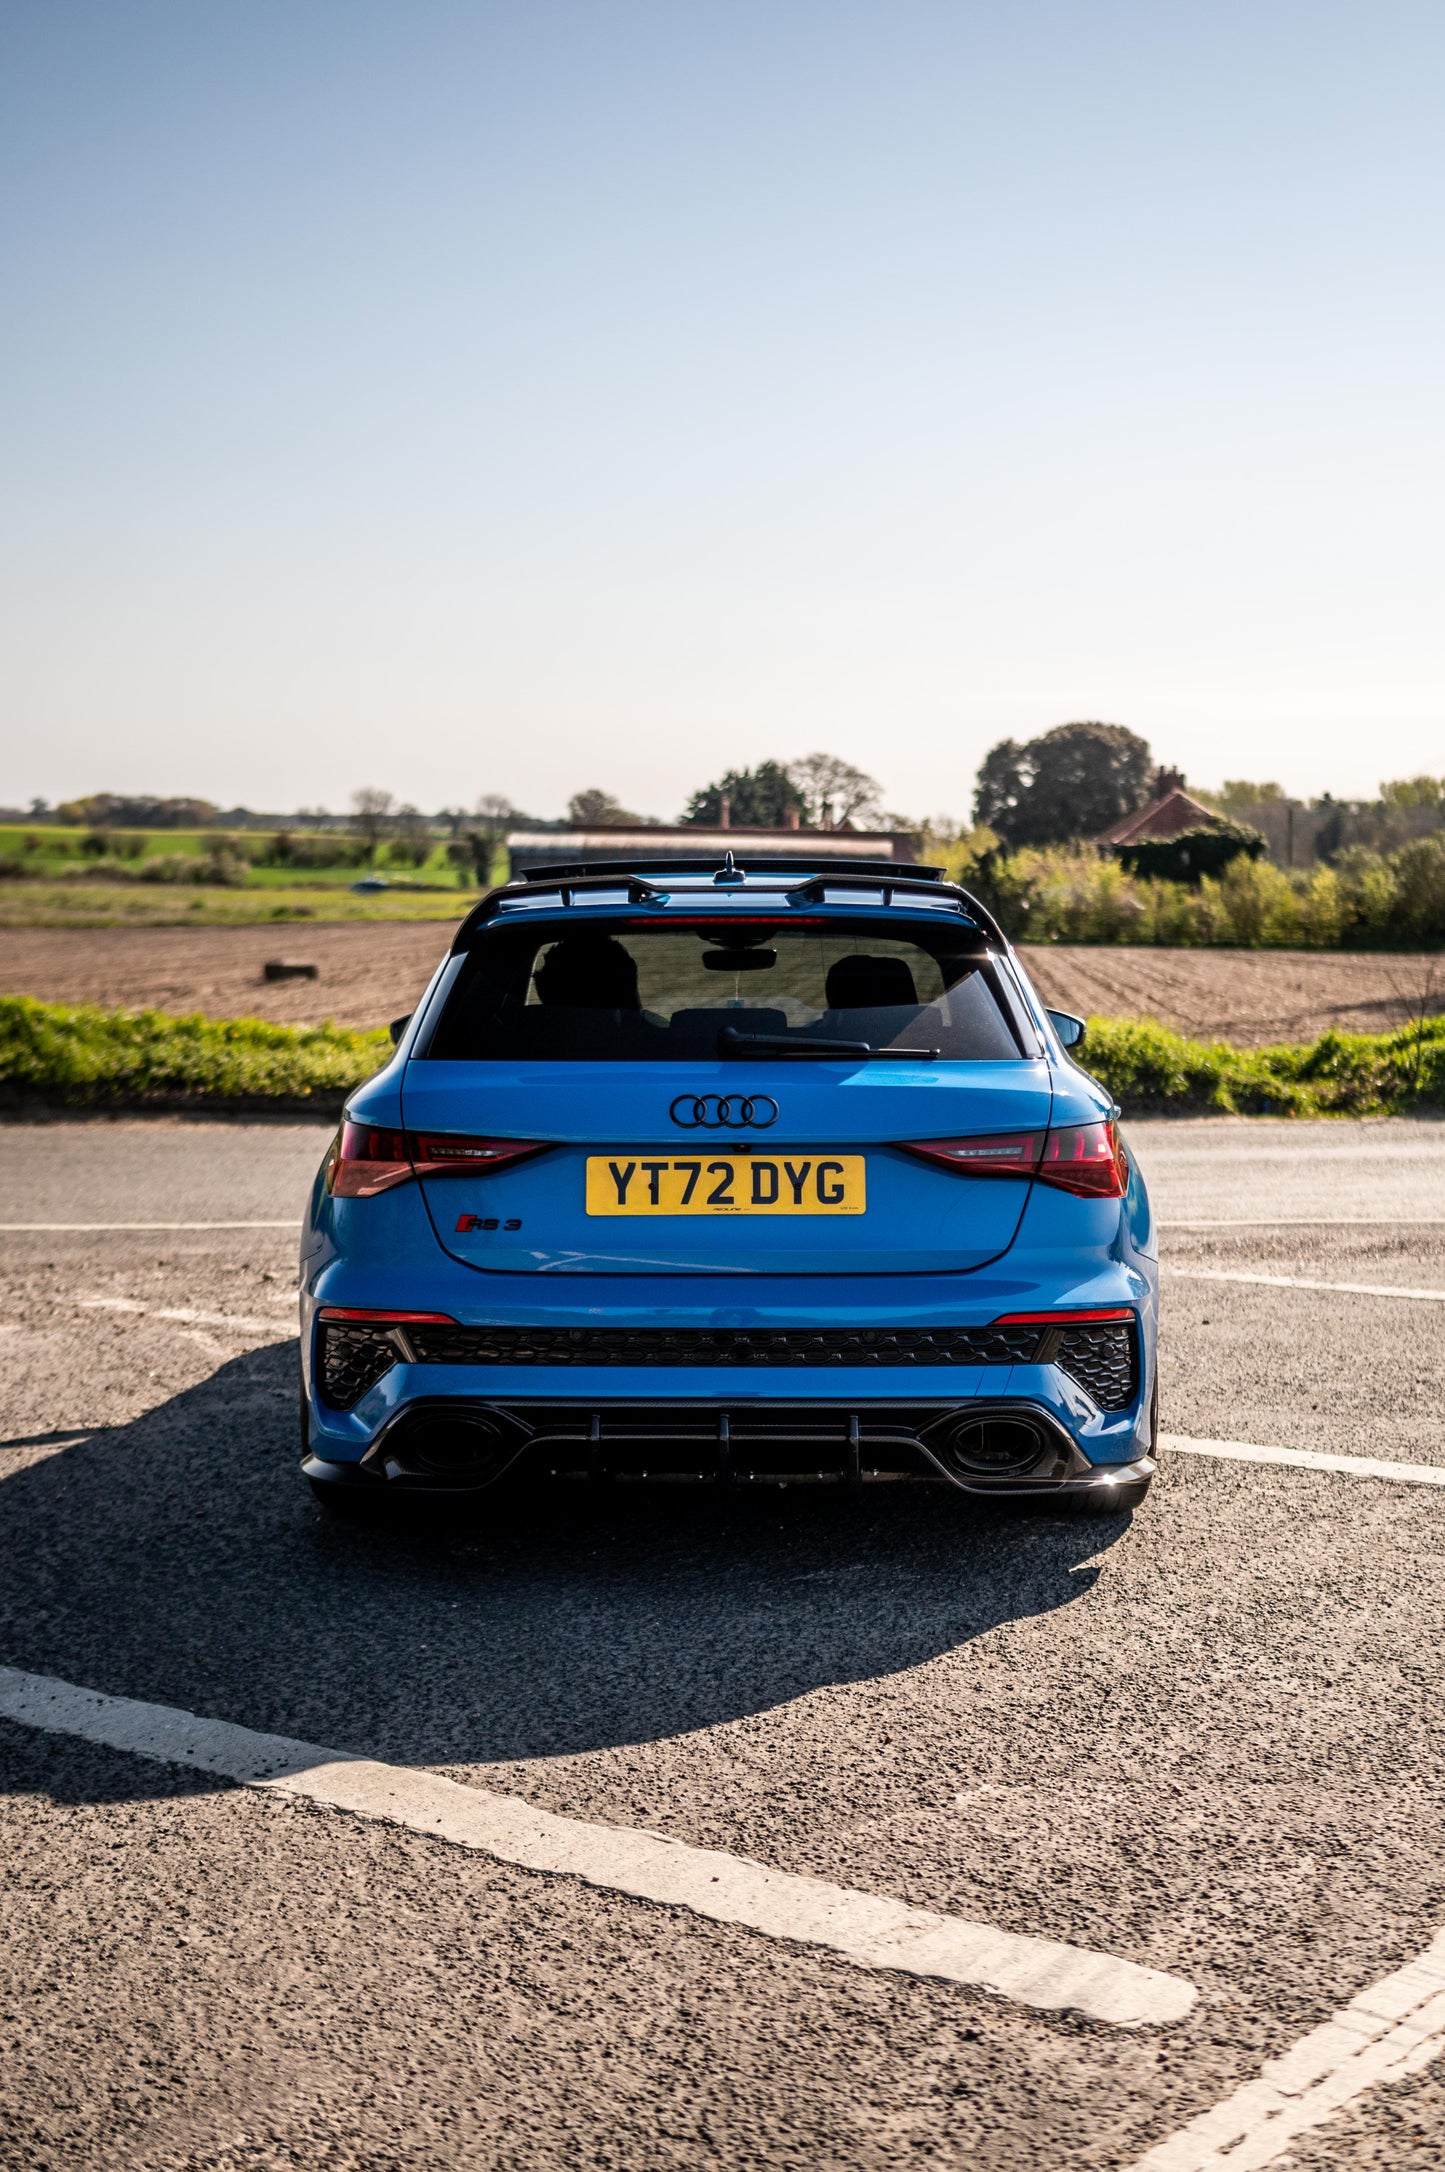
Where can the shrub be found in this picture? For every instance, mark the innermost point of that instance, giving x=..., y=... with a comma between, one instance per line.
x=1169, y=914
x=224, y=866
x=1260, y=905
x=1368, y=890
x=83, y=1056
x=1418, y=869
x=218, y=867
x=1324, y=912
x=315, y=848
x=1149, y=1068
x=1076, y=897
x=1207, y=849
x=113, y=844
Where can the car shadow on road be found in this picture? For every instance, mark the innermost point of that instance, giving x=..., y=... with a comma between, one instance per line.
x=180, y=1559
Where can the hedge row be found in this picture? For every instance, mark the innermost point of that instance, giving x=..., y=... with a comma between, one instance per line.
x=79, y=1056
x=1151, y=1071
x=83, y=1057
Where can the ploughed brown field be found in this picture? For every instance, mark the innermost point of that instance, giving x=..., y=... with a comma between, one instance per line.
x=369, y=973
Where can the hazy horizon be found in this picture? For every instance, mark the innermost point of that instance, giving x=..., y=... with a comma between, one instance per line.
x=484, y=399
x=342, y=808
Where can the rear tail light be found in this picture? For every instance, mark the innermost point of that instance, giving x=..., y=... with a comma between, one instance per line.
x=373, y=1318
x=1087, y=1159
x=365, y=1160
x=1090, y=1318
x=1014, y=1153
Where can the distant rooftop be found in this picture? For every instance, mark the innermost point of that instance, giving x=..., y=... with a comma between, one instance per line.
x=1173, y=812
x=749, y=847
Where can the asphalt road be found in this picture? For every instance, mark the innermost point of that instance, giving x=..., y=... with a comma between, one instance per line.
x=1206, y=1739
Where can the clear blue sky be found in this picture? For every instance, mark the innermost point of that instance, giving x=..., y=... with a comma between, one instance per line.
x=466, y=398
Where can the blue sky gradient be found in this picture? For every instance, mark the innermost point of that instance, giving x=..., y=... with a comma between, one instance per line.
x=501, y=398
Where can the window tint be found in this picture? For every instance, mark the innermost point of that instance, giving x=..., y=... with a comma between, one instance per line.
x=623, y=993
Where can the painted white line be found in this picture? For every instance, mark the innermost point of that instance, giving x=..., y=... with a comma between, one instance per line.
x=184, y=1313
x=1393, y=2029
x=873, y=1932
x=1303, y=1282
x=1314, y=1221
x=1306, y=1459
x=50, y=1228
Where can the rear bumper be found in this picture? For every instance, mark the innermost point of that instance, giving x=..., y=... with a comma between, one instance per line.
x=1101, y=1437
x=984, y=1445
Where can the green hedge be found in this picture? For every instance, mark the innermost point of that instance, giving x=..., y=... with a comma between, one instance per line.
x=1150, y=1070
x=84, y=1057
x=1360, y=902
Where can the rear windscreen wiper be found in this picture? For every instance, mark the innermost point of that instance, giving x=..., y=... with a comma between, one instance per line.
x=732, y=1043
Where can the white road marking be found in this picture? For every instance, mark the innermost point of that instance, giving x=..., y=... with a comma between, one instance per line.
x=1393, y=2029
x=183, y=1313
x=1314, y=1221
x=49, y=1228
x=1303, y=1282
x=864, y=1928
x=1306, y=1459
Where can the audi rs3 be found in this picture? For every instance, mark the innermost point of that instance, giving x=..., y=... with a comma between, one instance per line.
x=764, y=1175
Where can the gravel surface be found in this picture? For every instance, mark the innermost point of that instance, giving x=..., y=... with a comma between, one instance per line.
x=371, y=973
x=1205, y=1738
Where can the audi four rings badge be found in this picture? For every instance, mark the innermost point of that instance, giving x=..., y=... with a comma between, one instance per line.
x=713, y=1112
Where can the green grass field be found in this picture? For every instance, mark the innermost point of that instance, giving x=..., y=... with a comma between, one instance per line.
x=48, y=878
x=171, y=905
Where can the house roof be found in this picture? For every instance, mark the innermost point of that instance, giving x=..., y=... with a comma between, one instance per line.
x=531, y=847
x=1176, y=810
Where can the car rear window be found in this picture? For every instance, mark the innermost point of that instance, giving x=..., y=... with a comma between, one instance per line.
x=623, y=993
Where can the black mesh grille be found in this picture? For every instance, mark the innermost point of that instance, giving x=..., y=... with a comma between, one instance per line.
x=350, y=1358
x=1102, y=1360
x=732, y=1346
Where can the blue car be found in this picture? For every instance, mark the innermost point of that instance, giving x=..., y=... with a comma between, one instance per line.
x=687, y=1172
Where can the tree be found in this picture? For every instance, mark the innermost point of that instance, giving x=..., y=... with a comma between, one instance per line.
x=1070, y=782
x=760, y=798
x=833, y=791
x=1000, y=788
x=412, y=842
x=594, y=810
x=1239, y=792
x=372, y=809
x=1410, y=792
x=496, y=815
x=115, y=810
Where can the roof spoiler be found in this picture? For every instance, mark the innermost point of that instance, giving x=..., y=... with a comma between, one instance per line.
x=576, y=877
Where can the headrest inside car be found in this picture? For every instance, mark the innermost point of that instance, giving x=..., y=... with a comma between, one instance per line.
x=589, y=972
x=861, y=983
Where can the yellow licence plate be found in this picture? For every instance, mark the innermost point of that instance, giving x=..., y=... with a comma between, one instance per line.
x=726, y=1184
